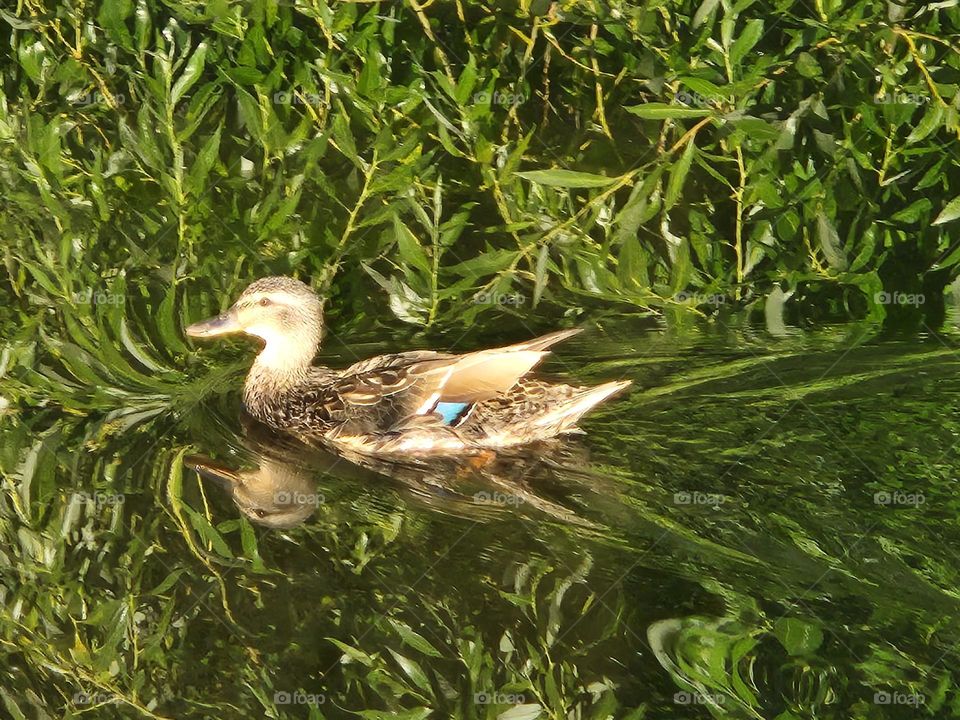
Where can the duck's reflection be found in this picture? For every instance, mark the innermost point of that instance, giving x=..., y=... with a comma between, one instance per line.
x=281, y=491
x=276, y=494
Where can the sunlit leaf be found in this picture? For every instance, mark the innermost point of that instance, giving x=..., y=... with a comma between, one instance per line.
x=558, y=177
x=660, y=111
x=949, y=213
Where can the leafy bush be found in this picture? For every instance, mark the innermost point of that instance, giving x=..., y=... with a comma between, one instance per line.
x=465, y=157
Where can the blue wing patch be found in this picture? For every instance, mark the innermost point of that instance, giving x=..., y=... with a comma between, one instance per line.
x=450, y=411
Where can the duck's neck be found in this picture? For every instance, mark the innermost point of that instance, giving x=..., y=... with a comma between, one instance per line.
x=281, y=367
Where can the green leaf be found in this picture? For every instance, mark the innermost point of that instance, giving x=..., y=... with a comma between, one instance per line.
x=484, y=264
x=18, y=23
x=190, y=75
x=414, y=639
x=808, y=66
x=557, y=177
x=540, y=274
x=406, y=304
x=11, y=706
x=868, y=246
x=467, y=81
x=830, y=243
x=701, y=86
x=244, y=75
x=412, y=714
x=369, y=81
x=949, y=213
x=412, y=670
x=704, y=11
x=757, y=129
x=142, y=25
x=662, y=111
x=678, y=175
x=344, y=137
x=251, y=549
x=410, y=250
x=209, y=533
x=744, y=44
x=197, y=178
x=931, y=121
x=631, y=267
x=352, y=654
x=105, y=612
x=798, y=637
x=168, y=582
x=914, y=212
x=112, y=17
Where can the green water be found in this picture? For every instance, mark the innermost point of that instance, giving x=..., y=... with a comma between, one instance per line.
x=764, y=527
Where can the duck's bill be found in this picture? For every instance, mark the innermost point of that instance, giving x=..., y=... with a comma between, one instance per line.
x=211, y=470
x=222, y=324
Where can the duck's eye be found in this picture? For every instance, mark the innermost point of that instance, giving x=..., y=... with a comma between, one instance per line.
x=265, y=301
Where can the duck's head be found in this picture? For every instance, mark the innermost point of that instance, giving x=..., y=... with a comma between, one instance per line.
x=285, y=313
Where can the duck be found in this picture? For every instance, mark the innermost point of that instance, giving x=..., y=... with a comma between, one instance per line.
x=407, y=403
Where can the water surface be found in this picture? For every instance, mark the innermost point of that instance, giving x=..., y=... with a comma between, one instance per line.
x=763, y=527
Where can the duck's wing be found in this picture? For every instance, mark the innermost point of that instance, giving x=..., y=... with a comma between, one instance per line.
x=486, y=374
x=395, y=387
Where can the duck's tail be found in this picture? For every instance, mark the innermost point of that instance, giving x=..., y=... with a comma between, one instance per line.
x=559, y=413
x=563, y=417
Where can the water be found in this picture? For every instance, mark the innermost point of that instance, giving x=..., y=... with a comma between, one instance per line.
x=763, y=527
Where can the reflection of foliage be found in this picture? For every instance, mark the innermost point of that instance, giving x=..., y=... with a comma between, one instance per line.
x=738, y=671
x=110, y=600
x=464, y=672
x=752, y=667
x=172, y=602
